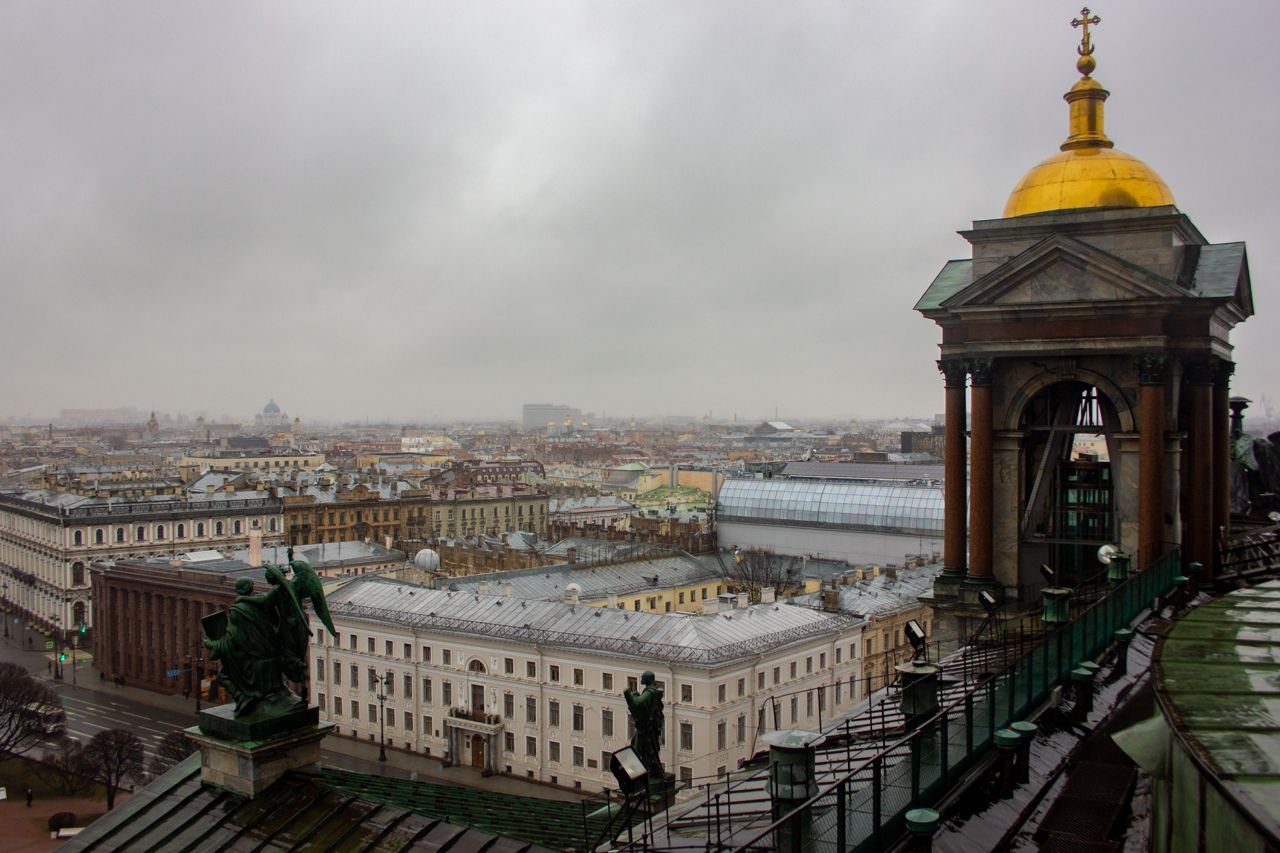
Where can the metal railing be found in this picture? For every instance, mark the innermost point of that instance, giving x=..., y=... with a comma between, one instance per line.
x=864, y=810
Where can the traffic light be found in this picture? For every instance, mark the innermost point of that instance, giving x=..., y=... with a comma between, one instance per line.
x=62, y=657
x=84, y=628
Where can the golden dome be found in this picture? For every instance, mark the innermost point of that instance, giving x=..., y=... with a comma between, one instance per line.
x=1089, y=172
x=1087, y=177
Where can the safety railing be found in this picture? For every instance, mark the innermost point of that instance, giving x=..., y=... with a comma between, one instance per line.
x=865, y=809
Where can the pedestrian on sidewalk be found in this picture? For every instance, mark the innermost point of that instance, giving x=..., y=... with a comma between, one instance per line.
x=30, y=796
x=50, y=664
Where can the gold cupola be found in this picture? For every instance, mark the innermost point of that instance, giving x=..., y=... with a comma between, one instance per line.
x=1089, y=171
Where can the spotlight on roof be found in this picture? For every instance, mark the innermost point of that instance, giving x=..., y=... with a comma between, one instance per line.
x=1049, y=575
x=916, y=637
x=988, y=602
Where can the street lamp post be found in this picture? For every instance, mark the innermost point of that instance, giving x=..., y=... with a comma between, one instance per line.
x=382, y=716
x=197, y=673
x=57, y=647
x=5, y=588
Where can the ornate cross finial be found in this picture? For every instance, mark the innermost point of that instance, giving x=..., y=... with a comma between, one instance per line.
x=1086, y=45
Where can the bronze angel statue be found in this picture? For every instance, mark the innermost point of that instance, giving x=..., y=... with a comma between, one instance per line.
x=261, y=640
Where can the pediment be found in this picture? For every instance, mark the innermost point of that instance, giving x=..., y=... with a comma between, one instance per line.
x=1060, y=270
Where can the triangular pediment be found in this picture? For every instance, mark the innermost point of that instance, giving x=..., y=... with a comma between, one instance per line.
x=1061, y=270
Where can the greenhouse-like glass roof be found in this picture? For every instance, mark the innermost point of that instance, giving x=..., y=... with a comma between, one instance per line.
x=905, y=509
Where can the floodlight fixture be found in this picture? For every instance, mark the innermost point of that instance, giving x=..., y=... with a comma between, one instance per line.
x=1049, y=575
x=1107, y=553
x=917, y=638
x=988, y=602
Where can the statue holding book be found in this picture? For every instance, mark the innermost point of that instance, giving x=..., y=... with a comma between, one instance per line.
x=261, y=640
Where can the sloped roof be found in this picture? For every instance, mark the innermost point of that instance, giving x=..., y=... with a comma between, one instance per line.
x=302, y=810
x=677, y=638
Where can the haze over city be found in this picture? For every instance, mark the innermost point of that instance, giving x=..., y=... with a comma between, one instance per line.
x=443, y=210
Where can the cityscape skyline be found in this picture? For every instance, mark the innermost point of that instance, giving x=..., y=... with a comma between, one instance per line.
x=725, y=209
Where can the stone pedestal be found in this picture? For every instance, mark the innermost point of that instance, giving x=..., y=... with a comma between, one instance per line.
x=246, y=756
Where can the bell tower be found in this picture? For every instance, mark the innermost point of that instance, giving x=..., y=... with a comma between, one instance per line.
x=1086, y=358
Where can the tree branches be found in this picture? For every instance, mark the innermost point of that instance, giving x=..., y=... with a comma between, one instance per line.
x=29, y=710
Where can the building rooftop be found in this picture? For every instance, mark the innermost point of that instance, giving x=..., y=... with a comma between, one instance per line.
x=897, y=508
x=594, y=582
x=870, y=472
x=330, y=810
x=1218, y=676
x=669, y=637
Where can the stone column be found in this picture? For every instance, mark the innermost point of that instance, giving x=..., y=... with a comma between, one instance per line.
x=980, y=473
x=955, y=532
x=1221, y=455
x=1151, y=428
x=1199, y=374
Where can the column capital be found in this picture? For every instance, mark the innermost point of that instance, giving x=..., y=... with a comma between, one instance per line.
x=1223, y=371
x=955, y=371
x=1151, y=368
x=980, y=370
x=1200, y=369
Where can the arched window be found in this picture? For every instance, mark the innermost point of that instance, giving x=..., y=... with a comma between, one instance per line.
x=77, y=538
x=271, y=525
x=99, y=536
x=200, y=529
x=159, y=531
x=236, y=527
x=217, y=528
x=181, y=532
x=119, y=534
x=77, y=573
x=140, y=534
x=78, y=613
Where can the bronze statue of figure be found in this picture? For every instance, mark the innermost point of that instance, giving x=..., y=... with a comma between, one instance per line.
x=262, y=639
x=646, y=712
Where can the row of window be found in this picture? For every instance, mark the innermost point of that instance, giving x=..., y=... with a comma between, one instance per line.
x=161, y=532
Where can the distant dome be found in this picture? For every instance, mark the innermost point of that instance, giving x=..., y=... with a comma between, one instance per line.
x=427, y=560
x=271, y=408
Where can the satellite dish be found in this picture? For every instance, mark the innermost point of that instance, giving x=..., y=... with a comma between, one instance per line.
x=1106, y=553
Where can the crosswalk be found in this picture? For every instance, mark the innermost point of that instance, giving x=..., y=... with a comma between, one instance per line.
x=88, y=718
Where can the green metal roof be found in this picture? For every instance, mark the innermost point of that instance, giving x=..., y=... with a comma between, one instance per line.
x=955, y=277
x=1218, y=270
x=1220, y=676
x=335, y=811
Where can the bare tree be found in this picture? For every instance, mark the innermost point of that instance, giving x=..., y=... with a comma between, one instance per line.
x=29, y=710
x=173, y=747
x=754, y=569
x=64, y=768
x=113, y=758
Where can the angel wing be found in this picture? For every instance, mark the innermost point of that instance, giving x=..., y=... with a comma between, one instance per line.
x=306, y=584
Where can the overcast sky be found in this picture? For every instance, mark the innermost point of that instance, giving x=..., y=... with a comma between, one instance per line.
x=444, y=210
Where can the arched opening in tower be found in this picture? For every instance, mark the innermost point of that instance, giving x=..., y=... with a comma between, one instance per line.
x=1068, y=494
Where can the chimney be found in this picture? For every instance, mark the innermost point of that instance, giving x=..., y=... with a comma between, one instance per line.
x=255, y=548
x=571, y=594
x=710, y=606
x=386, y=541
x=571, y=555
x=482, y=588
x=613, y=600
x=831, y=600
x=768, y=595
x=505, y=589
x=743, y=600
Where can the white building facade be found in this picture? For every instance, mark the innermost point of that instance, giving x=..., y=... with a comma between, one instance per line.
x=534, y=688
x=48, y=539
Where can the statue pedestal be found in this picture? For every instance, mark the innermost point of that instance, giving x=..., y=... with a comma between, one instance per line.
x=246, y=756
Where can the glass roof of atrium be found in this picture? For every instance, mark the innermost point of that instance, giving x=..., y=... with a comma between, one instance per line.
x=906, y=509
